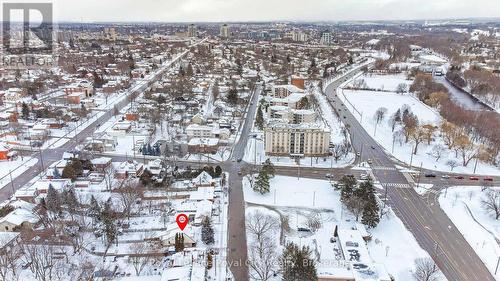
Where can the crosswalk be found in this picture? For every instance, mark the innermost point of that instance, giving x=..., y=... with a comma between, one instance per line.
x=398, y=185
x=383, y=168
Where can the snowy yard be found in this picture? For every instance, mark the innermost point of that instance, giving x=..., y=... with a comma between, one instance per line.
x=297, y=200
x=463, y=206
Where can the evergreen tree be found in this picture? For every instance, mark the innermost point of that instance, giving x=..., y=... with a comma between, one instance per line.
x=179, y=242
x=69, y=172
x=70, y=200
x=94, y=209
x=232, y=96
x=56, y=173
x=346, y=184
x=189, y=70
x=268, y=167
x=207, y=231
x=218, y=171
x=209, y=260
x=25, y=111
x=262, y=183
x=370, y=215
x=297, y=264
x=53, y=201
x=259, y=119
x=146, y=177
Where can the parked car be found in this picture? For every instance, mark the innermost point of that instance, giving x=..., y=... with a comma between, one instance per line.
x=459, y=177
x=445, y=176
x=488, y=179
x=369, y=161
x=430, y=175
x=474, y=178
x=328, y=176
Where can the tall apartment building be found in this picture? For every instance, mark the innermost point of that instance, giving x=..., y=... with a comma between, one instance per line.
x=110, y=33
x=192, y=30
x=296, y=140
x=224, y=31
x=326, y=38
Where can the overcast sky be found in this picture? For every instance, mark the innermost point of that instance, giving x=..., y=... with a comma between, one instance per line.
x=265, y=10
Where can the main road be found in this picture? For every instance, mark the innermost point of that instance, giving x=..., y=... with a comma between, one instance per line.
x=432, y=228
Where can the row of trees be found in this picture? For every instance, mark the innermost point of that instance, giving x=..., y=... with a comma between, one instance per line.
x=475, y=131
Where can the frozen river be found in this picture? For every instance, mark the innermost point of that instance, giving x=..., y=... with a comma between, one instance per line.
x=461, y=98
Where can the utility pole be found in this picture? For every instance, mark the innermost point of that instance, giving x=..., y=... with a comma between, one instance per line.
x=475, y=165
x=411, y=158
x=419, y=175
x=496, y=268
x=393, y=141
x=11, y=181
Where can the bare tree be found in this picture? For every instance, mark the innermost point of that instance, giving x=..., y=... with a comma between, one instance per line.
x=380, y=114
x=262, y=259
x=259, y=224
x=425, y=270
x=109, y=174
x=401, y=88
x=437, y=151
x=41, y=260
x=128, y=196
x=140, y=257
x=491, y=203
x=9, y=262
x=314, y=223
x=452, y=164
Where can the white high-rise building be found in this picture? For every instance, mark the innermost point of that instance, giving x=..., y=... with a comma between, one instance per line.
x=326, y=38
x=192, y=30
x=224, y=31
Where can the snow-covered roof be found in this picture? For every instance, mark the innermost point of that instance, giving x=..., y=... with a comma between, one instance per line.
x=19, y=216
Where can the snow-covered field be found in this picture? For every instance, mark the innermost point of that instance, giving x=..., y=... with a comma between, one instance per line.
x=381, y=82
x=392, y=246
x=364, y=104
x=463, y=206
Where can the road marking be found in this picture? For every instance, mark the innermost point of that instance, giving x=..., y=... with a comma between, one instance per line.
x=398, y=185
x=383, y=168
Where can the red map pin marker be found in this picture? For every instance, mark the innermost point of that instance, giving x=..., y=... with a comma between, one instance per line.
x=182, y=221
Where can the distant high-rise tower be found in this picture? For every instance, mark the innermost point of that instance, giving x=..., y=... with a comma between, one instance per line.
x=192, y=31
x=326, y=38
x=110, y=33
x=224, y=31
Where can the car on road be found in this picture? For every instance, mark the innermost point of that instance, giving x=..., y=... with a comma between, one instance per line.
x=239, y=160
x=239, y=173
x=488, y=179
x=358, y=154
x=345, y=117
x=369, y=161
x=459, y=177
x=430, y=175
x=472, y=178
x=445, y=176
x=373, y=147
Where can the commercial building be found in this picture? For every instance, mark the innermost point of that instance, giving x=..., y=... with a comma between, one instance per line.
x=192, y=30
x=326, y=38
